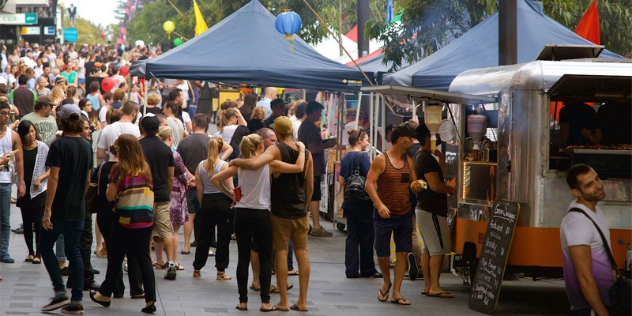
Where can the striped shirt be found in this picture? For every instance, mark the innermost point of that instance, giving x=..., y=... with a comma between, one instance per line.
x=393, y=187
x=135, y=199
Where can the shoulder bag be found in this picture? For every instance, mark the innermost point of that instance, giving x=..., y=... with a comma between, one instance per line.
x=92, y=195
x=356, y=183
x=620, y=292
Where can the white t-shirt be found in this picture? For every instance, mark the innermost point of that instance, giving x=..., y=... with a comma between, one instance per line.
x=296, y=125
x=345, y=134
x=228, y=132
x=81, y=73
x=74, y=55
x=111, y=132
x=103, y=113
x=185, y=89
x=576, y=229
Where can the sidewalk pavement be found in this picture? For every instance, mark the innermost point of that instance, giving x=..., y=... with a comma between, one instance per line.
x=27, y=287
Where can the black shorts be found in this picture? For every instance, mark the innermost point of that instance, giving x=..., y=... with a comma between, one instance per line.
x=317, y=195
x=401, y=227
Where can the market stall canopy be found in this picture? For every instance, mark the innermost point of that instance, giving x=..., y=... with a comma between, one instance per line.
x=478, y=48
x=442, y=96
x=374, y=63
x=245, y=47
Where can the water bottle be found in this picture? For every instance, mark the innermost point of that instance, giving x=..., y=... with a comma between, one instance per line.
x=628, y=258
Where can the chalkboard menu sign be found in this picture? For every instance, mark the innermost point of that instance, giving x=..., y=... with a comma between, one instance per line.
x=491, y=265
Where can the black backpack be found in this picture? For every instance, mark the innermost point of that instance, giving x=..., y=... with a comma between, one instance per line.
x=355, y=189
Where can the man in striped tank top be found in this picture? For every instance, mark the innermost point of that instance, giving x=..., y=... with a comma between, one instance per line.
x=388, y=183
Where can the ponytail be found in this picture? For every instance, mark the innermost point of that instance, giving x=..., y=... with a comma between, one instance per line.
x=249, y=145
x=215, y=146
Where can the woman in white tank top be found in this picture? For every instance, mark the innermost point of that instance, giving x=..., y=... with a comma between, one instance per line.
x=252, y=216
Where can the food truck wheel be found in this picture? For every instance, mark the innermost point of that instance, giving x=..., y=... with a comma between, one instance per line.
x=341, y=226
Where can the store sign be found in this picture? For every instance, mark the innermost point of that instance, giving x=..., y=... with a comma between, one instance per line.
x=49, y=30
x=18, y=19
x=31, y=30
x=70, y=34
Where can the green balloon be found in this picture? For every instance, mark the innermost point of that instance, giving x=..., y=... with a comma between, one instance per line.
x=178, y=41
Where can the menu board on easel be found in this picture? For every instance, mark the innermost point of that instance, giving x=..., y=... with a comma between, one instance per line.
x=493, y=260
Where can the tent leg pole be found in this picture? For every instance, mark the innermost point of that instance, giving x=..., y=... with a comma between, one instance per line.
x=372, y=140
x=383, y=122
x=358, y=110
x=376, y=115
x=145, y=97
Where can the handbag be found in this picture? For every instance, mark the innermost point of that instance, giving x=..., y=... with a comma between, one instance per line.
x=92, y=195
x=621, y=291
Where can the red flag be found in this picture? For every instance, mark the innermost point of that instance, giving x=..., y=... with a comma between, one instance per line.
x=588, y=26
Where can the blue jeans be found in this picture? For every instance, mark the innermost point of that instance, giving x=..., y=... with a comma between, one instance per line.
x=59, y=249
x=5, y=218
x=72, y=235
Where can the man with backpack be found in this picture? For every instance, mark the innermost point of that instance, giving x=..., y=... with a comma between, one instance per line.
x=357, y=207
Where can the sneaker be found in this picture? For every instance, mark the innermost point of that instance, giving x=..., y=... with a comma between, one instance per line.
x=171, y=273
x=7, y=259
x=73, y=309
x=321, y=232
x=56, y=303
x=19, y=230
x=413, y=271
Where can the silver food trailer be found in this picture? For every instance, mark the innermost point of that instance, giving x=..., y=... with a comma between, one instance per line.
x=520, y=162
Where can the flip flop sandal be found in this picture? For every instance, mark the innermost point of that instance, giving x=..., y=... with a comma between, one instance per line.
x=159, y=266
x=28, y=260
x=256, y=289
x=400, y=301
x=442, y=295
x=179, y=267
x=295, y=308
x=276, y=289
x=36, y=261
x=241, y=309
x=385, y=295
x=293, y=273
x=268, y=309
x=185, y=252
x=281, y=309
x=223, y=277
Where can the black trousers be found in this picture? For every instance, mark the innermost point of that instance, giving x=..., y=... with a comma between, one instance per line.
x=360, y=233
x=253, y=226
x=135, y=242
x=105, y=221
x=32, y=221
x=215, y=211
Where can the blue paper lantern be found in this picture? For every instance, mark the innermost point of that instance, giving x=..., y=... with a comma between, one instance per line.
x=288, y=23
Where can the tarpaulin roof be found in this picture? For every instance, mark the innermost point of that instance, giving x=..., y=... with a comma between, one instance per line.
x=478, y=48
x=245, y=47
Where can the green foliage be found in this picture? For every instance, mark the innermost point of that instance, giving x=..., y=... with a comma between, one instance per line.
x=427, y=25
x=86, y=31
x=147, y=24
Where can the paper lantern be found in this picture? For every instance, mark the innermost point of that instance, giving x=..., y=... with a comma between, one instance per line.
x=102, y=35
x=107, y=84
x=178, y=41
x=288, y=23
x=169, y=27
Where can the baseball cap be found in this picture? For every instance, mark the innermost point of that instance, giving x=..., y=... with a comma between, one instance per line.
x=283, y=125
x=277, y=101
x=150, y=123
x=68, y=109
x=402, y=130
x=44, y=99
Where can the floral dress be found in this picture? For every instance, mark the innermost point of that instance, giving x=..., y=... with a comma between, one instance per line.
x=179, y=208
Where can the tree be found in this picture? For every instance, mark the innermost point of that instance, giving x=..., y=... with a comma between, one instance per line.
x=86, y=30
x=147, y=24
x=428, y=25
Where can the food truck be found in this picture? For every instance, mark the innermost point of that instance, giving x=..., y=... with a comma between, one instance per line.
x=521, y=158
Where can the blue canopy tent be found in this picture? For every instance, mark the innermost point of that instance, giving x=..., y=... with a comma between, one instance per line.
x=245, y=47
x=478, y=48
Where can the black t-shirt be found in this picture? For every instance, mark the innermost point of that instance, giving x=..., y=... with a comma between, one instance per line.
x=235, y=142
x=193, y=149
x=159, y=157
x=103, y=180
x=23, y=99
x=578, y=117
x=154, y=110
x=269, y=121
x=428, y=200
x=88, y=67
x=74, y=157
x=309, y=133
x=614, y=120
